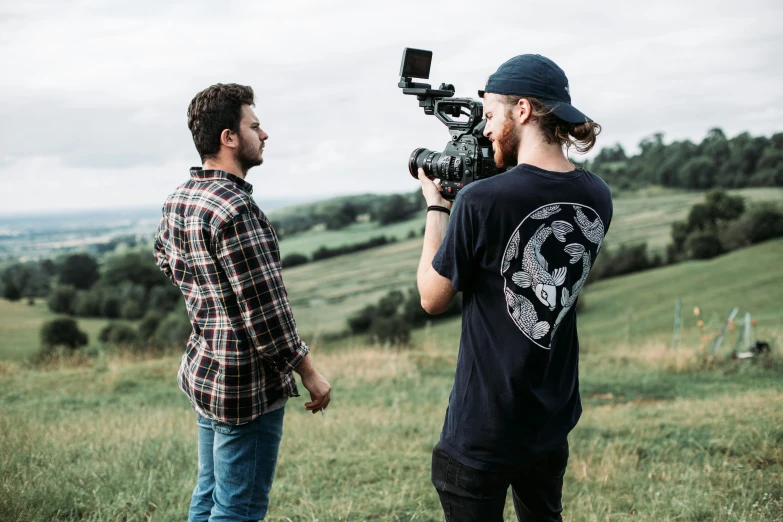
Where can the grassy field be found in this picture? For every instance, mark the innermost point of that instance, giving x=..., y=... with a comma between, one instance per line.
x=666, y=436
x=662, y=438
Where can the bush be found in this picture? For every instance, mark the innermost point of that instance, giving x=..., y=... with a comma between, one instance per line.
x=765, y=221
x=174, y=329
x=294, y=259
x=88, y=303
x=625, y=260
x=118, y=333
x=735, y=235
x=703, y=244
x=62, y=332
x=362, y=320
x=147, y=327
x=394, y=330
x=164, y=298
x=62, y=300
x=326, y=253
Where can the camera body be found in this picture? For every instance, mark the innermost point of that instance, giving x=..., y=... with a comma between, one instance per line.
x=468, y=156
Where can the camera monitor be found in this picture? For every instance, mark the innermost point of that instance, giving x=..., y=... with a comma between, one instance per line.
x=416, y=63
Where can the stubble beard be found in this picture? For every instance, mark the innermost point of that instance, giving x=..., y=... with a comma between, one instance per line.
x=248, y=156
x=507, y=145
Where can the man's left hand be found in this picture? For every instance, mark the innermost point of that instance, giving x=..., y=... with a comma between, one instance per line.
x=431, y=191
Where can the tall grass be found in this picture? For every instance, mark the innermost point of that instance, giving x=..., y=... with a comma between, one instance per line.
x=663, y=437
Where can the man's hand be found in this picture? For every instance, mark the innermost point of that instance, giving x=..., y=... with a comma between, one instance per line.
x=319, y=388
x=431, y=191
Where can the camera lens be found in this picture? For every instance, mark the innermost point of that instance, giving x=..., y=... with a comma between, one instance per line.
x=425, y=159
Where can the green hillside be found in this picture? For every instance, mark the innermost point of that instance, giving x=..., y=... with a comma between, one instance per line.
x=639, y=308
x=309, y=242
x=663, y=435
x=642, y=215
x=325, y=293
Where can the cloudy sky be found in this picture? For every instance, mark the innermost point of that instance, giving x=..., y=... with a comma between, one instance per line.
x=94, y=94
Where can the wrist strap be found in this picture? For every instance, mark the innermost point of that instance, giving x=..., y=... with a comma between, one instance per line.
x=439, y=209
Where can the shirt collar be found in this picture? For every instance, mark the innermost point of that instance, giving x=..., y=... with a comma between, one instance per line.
x=200, y=174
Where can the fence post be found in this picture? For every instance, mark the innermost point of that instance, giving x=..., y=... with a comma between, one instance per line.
x=677, y=313
x=747, y=330
x=723, y=330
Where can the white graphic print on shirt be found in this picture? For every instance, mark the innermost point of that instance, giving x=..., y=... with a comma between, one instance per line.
x=531, y=285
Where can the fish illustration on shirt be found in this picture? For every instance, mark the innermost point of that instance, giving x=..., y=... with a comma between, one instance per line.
x=511, y=252
x=524, y=315
x=593, y=231
x=535, y=269
x=567, y=299
x=545, y=212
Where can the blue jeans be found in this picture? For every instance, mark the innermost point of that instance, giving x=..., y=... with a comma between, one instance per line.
x=236, y=465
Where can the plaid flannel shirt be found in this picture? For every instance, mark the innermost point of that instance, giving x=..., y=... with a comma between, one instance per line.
x=217, y=246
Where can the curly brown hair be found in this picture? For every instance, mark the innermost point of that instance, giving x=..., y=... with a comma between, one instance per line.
x=213, y=110
x=580, y=136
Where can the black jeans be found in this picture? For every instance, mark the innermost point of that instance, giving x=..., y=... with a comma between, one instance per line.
x=469, y=494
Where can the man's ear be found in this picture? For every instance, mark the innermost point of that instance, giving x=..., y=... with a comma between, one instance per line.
x=228, y=139
x=523, y=110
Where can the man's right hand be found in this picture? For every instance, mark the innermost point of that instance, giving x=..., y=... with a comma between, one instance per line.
x=319, y=388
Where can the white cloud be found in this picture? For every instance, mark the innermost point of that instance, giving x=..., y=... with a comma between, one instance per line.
x=95, y=93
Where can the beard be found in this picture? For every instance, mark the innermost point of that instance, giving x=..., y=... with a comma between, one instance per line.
x=507, y=145
x=248, y=156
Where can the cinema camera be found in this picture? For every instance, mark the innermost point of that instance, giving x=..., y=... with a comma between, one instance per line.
x=468, y=156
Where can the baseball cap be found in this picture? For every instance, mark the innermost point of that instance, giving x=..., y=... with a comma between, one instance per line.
x=538, y=77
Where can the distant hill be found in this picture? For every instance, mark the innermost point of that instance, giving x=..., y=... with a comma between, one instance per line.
x=325, y=293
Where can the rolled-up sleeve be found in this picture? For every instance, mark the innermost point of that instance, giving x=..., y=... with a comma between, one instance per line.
x=159, y=251
x=246, y=249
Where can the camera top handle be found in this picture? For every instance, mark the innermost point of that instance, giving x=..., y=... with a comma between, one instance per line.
x=440, y=103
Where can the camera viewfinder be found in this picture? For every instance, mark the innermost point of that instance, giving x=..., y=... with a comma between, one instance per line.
x=416, y=63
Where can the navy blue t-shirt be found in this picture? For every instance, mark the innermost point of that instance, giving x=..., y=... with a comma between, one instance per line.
x=519, y=246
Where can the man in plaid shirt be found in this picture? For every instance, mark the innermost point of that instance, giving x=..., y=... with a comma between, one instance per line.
x=217, y=246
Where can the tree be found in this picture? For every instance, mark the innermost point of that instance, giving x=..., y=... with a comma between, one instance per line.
x=62, y=300
x=11, y=291
x=16, y=278
x=62, y=332
x=699, y=172
x=342, y=216
x=393, y=209
x=133, y=267
x=703, y=244
x=79, y=271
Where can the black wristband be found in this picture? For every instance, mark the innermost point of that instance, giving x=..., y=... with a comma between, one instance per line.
x=439, y=209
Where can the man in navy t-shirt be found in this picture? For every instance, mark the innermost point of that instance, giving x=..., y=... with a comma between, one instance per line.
x=519, y=245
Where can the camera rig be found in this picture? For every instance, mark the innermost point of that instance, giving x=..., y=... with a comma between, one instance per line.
x=468, y=156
